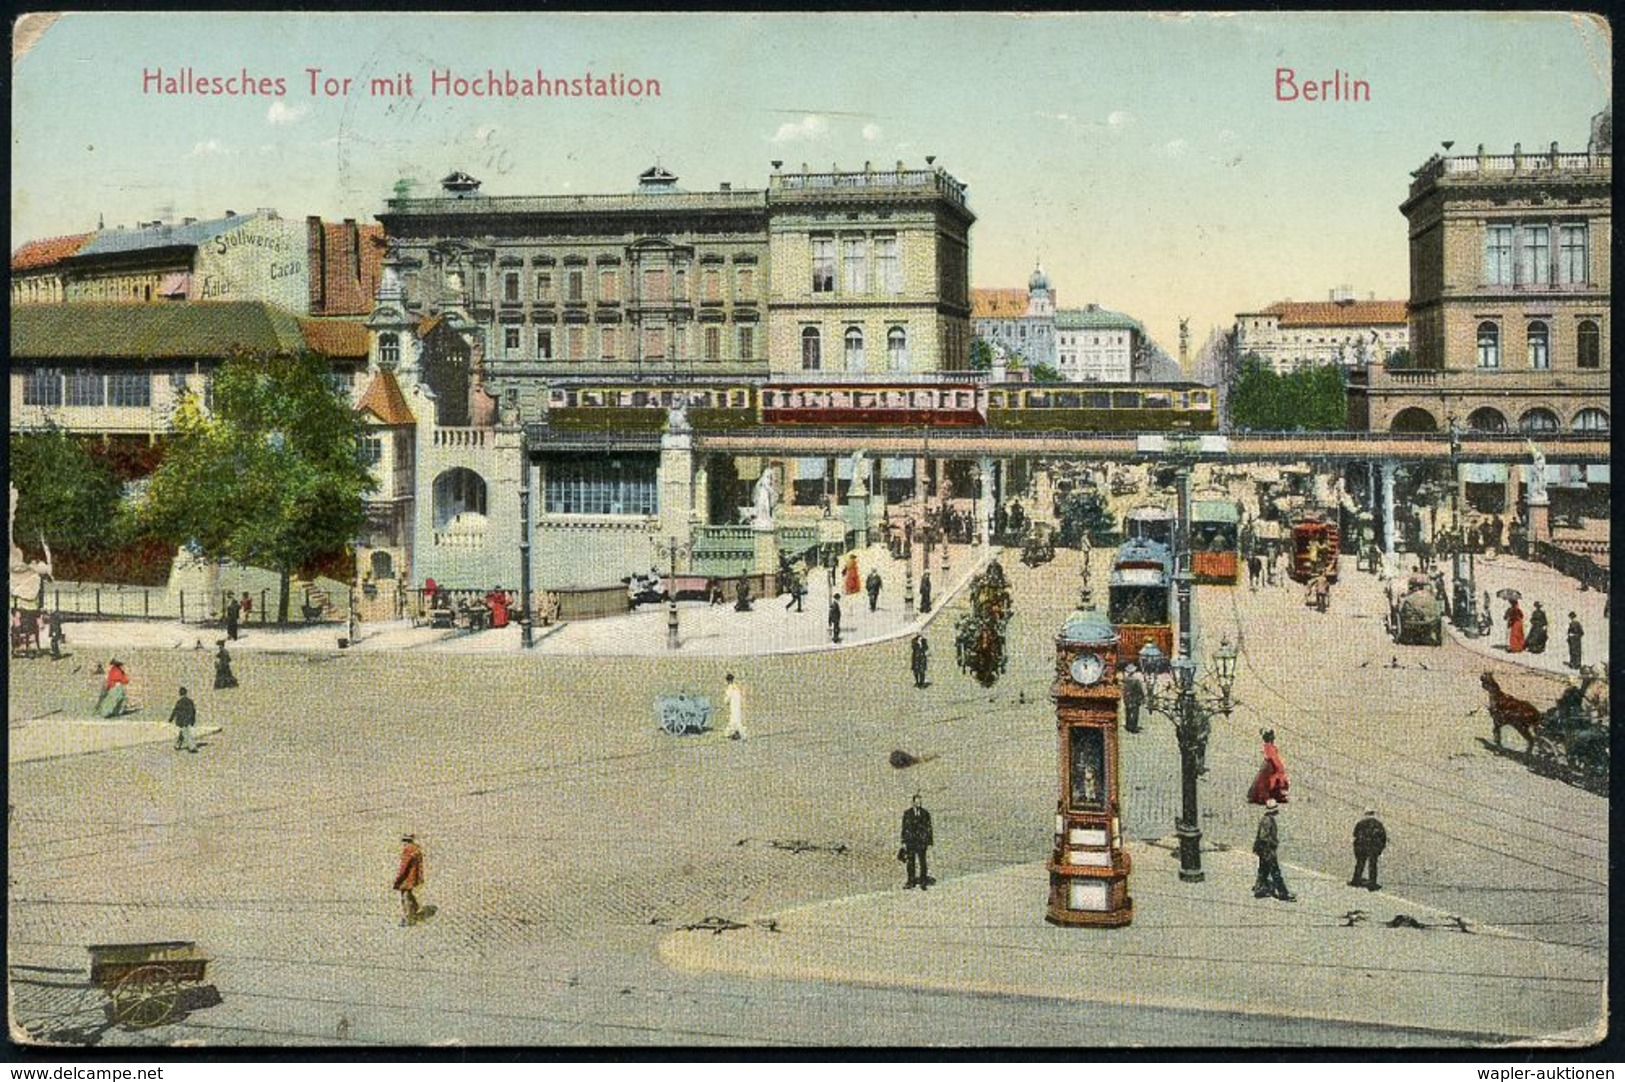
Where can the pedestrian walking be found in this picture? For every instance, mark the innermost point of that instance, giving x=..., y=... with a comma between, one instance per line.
x=919, y=659
x=1255, y=571
x=110, y=703
x=1133, y=697
x=57, y=635
x=736, y=708
x=850, y=582
x=925, y=591
x=1514, y=621
x=1370, y=839
x=223, y=676
x=1267, y=846
x=1576, y=637
x=248, y=606
x=872, y=585
x=917, y=838
x=233, y=611
x=1271, y=784
x=409, y=878
x=798, y=590
x=184, y=718
x=835, y=618
x=1535, y=641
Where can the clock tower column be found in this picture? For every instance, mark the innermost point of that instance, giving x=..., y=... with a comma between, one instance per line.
x=1088, y=867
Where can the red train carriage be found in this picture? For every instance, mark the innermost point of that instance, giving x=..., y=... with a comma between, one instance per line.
x=937, y=405
x=1316, y=541
x=1214, y=529
x=1140, y=598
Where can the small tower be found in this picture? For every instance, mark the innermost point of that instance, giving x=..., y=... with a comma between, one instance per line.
x=1040, y=298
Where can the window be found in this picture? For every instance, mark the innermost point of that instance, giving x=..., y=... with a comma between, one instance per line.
x=482, y=284
x=1536, y=268
x=599, y=486
x=1540, y=355
x=855, y=265
x=811, y=352
x=1573, y=263
x=1486, y=419
x=654, y=284
x=854, y=350
x=544, y=343
x=897, y=349
x=43, y=387
x=457, y=492
x=609, y=286
x=510, y=287
x=747, y=342
x=1539, y=420
x=654, y=343
x=544, y=287
x=713, y=343
x=372, y=450
x=575, y=284
x=510, y=339
x=1498, y=255
x=823, y=265
x=1591, y=420
x=389, y=350
x=609, y=342
x=575, y=339
x=1588, y=342
x=84, y=388
x=1489, y=345
x=746, y=284
x=712, y=286
x=888, y=272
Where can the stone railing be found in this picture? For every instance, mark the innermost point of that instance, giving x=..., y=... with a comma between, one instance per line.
x=1514, y=164
x=461, y=437
x=933, y=180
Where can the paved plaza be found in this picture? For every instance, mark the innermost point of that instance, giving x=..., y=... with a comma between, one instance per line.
x=597, y=881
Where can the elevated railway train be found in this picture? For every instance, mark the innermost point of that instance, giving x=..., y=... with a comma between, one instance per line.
x=719, y=405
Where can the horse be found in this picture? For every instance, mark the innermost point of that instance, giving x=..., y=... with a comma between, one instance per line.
x=1509, y=711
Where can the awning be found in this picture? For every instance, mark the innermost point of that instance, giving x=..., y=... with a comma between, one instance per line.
x=1484, y=473
x=897, y=469
x=178, y=284
x=809, y=469
x=1598, y=475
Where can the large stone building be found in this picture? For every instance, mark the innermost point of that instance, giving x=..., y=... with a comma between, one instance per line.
x=1020, y=322
x=1084, y=345
x=1510, y=291
x=1339, y=330
x=1095, y=344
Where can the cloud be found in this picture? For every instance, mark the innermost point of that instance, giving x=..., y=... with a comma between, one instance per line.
x=1175, y=147
x=281, y=113
x=810, y=127
x=208, y=148
x=871, y=132
x=1119, y=118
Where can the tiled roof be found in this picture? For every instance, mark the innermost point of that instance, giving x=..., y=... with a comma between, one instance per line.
x=385, y=401
x=166, y=235
x=1337, y=313
x=998, y=303
x=173, y=329
x=42, y=253
x=347, y=262
x=1102, y=319
x=428, y=323
x=339, y=339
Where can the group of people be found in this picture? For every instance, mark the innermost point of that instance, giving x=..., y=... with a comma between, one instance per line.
x=30, y=626
x=1533, y=640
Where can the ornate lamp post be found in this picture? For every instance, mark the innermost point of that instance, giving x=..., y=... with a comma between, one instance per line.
x=671, y=547
x=525, y=626
x=1192, y=707
x=908, y=565
x=1464, y=605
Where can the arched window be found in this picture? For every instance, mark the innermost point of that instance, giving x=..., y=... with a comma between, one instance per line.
x=811, y=350
x=1414, y=419
x=897, y=349
x=389, y=350
x=1539, y=420
x=1486, y=419
x=458, y=491
x=1489, y=345
x=854, y=350
x=1589, y=343
x=1540, y=345
x=1591, y=420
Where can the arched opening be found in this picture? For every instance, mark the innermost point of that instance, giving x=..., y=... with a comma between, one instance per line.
x=1414, y=419
x=854, y=349
x=1540, y=345
x=458, y=493
x=1588, y=341
x=1489, y=345
x=1539, y=420
x=1591, y=420
x=383, y=566
x=811, y=349
x=897, y=349
x=1486, y=419
x=389, y=349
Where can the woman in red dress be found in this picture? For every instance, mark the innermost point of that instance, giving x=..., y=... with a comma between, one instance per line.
x=497, y=602
x=1514, y=619
x=1271, y=783
x=852, y=584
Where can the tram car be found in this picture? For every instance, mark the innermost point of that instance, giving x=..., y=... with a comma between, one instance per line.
x=951, y=405
x=628, y=407
x=1316, y=540
x=1214, y=529
x=1140, y=407
x=1151, y=522
x=1140, y=597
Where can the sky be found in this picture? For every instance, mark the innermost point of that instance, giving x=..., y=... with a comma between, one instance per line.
x=1146, y=159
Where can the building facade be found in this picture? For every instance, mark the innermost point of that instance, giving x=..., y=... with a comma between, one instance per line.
x=1019, y=322
x=1339, y=330
x=1510, y=290
x=1095, y=344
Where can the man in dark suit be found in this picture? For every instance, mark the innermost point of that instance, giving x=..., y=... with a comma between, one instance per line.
x=184, y=718
x=872, y=585
x=835, y=619
x=1266, y=846
x=916, y=840
x=1370, y=839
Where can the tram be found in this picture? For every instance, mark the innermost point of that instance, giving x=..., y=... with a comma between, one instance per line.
x=1140, y=597
x=1151, y=522
x=1316, y=540
x=1214, y=529
x=606, y=407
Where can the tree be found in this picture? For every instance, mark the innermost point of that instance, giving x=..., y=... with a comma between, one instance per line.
x=272, y=477
x=1082, y=513
x=981, y=355
x=1312, y=399
x=1400, y=358
x=65, y=493
x=1044, y=373
x=979, y=635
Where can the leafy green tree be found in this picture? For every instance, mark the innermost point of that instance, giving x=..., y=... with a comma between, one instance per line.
x=1305, y=400
x=1401, y=358
x=979, y=635
x=1082, y=513
x=1254, y=394
x=65, y=493
x=1044, y=373
x=272, y=477
x=981, y=355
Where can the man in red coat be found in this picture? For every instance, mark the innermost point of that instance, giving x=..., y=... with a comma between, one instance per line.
x=409, y=878
x=1271, y=782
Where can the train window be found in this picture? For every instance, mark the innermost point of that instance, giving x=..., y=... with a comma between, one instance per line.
x=840, y=400
x=556, y=398
x=738, y=399
x=592, y=398
x=1158, y=401
x=1097, y=400
x=770, y=400
x=962, y=399
x=1038, y=400
x=640, y=399
x=702, y=400
x=1067, y=400
x=864, y=400
x=1125, y=400
x=995, y=400
x=1201, y=400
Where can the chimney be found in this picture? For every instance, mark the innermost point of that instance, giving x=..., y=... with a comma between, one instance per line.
x=231, y=214
x=725, y=186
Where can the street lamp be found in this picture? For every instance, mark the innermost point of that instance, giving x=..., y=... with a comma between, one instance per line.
x=1192, y=707
x=525, y=626
x=1463, y=609
x=672, y=547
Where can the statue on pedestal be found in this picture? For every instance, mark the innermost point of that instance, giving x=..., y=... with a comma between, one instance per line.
x=764, y=496
x=860, y=474
x=1537, y=474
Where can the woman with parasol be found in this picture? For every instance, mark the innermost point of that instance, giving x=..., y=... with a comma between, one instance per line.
x=1514, y=620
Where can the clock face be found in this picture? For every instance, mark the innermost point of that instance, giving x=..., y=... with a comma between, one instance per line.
x=1087, y=669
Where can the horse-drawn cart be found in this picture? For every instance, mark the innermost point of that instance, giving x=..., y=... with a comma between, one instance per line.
x=683, y=713
x=144, y=979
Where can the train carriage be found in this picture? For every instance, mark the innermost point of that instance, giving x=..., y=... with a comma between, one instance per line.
x=1140, y=598
x=624, y=407
x=1214, y=529
x=949, y=405
x=1316, y=541
x=1074, y=407
x=1151, y=522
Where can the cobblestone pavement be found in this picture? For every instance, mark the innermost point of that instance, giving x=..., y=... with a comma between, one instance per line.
x=565, y=834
